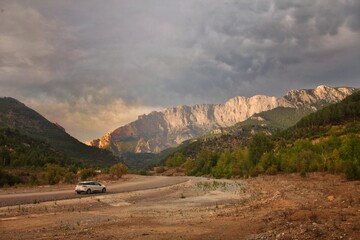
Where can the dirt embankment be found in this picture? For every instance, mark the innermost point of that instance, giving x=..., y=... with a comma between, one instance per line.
x=320, y=206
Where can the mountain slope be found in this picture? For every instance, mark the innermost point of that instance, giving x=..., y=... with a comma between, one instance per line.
x=16, y=116
x=346, y=114
x=18, y=150
x=280, y=117
x=268, y=121
x=160, y=130
x=327, y=140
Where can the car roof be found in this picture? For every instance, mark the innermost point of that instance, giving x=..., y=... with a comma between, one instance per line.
x=88, y=182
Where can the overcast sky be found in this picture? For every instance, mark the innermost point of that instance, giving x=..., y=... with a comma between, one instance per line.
x=94, y=65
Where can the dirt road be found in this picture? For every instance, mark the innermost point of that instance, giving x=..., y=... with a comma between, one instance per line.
x=320, y=206
x=10, y=198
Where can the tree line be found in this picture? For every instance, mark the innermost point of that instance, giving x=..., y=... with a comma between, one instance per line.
x=25, y=160
x=337, y=155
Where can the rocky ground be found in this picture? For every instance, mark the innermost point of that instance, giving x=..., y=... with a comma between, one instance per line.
x=320, y=206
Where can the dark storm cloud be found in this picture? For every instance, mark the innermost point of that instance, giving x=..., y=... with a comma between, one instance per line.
x=290, y=38
x=87, y=56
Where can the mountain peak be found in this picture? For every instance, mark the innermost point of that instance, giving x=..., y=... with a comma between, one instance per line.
x=160, y=130
x=323, y=87
x=10, y=100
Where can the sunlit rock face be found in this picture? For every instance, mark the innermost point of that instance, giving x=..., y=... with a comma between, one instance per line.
x=318, y=97
x=160, y=130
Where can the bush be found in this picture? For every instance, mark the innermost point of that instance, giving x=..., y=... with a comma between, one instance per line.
x=86, y=173
x=144, y=172
x=159, y=170
x=175, y=160
x=8, y=179
x=271, y=170
x=256, y=171
x=70, y=177
x=118, y=170
x=352, y=171
x=54, y=174
x=303, y=173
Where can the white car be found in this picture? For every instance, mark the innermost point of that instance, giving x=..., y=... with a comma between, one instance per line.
x=89, y=187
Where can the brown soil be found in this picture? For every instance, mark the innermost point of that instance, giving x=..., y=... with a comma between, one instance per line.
x=320, y=206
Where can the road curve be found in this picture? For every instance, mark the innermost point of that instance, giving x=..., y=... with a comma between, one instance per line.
x=141, y=183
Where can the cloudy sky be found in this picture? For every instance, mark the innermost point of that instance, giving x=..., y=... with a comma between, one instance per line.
x=93, y=65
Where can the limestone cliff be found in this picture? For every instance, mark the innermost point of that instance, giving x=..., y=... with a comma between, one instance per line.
x=160, y=130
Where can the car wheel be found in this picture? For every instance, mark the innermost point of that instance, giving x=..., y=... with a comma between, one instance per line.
x=103, y=190
x=88, y=191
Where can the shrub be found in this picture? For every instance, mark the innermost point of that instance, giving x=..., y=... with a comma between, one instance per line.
x=54, y=173
x=86, y=173
x=118, y=170
x=8, y=179
x=70, y=177
x=256, y=171
x=159, y=170
x=144, y=172
x=175, y=160
x=271, y=170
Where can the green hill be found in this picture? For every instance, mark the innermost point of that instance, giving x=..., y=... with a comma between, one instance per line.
x=16, y=116
x=18, y=150
x=27, y=160
x=343, y=116
x=277, y=118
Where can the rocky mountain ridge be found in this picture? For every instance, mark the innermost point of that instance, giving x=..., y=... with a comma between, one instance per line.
x=160, y=130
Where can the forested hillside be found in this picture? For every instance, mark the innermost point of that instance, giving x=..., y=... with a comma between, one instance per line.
x=19, y=150
x=36, y=151
x=27, y=160
x=316, y=124
x=16, y=116
x=327, y=140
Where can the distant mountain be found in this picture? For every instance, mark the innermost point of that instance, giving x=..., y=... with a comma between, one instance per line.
x=14, y=115
x=161, y=130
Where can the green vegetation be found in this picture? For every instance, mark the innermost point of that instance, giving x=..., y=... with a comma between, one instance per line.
x=118, y=170
x=87, y=173
x=326, y=141
x=7, y=179
x=330, y=154
x=35, y=151
x=16, y=116
x=25, y=160
x=18, y=150
x=320, y=122
x=277, y=118
x=258, y=146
